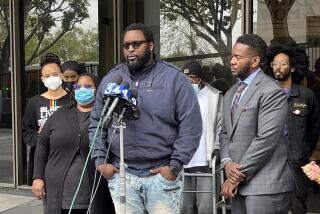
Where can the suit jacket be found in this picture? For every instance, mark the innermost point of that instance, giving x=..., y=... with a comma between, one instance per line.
x=256, y=140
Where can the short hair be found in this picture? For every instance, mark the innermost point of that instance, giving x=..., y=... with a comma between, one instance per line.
x=255, y=42
x=147, y=32
x=298, y=59
x=50, y=58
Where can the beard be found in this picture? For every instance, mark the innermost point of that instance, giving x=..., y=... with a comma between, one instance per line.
x=140, y=62
x=283, y=77
x=245, y=71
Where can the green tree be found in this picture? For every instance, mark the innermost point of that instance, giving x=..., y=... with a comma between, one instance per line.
x=76, y=45
x=41, y=18
x=211, y=20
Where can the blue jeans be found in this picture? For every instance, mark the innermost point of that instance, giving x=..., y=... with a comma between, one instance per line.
x=152, y=194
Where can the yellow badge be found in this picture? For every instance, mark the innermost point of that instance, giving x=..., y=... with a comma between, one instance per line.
x=300, y=105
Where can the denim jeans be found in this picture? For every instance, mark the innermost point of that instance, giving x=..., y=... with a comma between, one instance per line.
x=151, y=194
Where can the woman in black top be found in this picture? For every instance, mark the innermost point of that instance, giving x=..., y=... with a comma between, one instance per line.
x=62, y=149
x=41, y=107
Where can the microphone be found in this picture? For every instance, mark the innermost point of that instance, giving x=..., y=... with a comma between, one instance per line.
x=120, y=92
x=134, y=95
x=116, y=80
x=133, y=100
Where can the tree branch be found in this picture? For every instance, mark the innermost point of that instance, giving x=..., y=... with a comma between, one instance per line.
x=5, y=19
x=35, y=50
x=59, y=7
x=205, y=37
x=233, y=14
x=63, y=32
x=31, y=34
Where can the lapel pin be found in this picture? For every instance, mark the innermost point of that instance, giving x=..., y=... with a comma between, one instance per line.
x=296, y=111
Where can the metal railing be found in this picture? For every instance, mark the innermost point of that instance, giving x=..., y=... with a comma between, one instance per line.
x=214, y=191
x=313, y=51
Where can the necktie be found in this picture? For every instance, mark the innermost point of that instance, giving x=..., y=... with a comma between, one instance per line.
x=236, y=100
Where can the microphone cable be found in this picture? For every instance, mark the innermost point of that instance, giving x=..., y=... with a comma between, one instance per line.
x=95, y=189
x=86, y=163
x=105, y=161
x=95, y=176
x=85, y=166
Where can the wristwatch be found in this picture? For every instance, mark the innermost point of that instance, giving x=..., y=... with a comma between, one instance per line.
x=224, y=162
x=175, y=170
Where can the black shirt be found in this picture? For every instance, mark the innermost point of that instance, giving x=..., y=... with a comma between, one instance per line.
x=38, y=110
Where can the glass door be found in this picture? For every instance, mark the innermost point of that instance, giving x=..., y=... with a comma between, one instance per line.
x=6, y=139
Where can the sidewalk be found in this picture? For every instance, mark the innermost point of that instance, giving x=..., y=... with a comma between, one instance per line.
x=16, y=204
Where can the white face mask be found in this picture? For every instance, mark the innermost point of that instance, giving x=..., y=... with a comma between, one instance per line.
x=53, y=82
x=196, y=87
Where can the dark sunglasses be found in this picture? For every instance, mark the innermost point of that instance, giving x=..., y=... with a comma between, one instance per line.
x=78, y=86
x=134, y=44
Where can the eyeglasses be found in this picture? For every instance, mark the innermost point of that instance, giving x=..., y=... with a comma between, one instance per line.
x=78, y=86
x=281, y=63
x=134, y=44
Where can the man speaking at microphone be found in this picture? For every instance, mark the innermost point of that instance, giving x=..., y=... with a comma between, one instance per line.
x=165, y=136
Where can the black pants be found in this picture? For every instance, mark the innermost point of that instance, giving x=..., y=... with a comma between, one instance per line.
x=299, y=196
x=74, y=211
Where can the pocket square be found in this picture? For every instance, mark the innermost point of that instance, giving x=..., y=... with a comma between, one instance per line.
x=246, y=108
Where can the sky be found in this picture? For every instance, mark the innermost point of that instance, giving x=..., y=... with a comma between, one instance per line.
x=92, y=21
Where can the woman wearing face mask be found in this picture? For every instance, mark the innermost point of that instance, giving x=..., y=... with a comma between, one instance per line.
x=61, y=152
x=71, y=71
x=41, y=107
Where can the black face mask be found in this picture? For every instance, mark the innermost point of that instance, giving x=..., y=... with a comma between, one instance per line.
x=68, y=85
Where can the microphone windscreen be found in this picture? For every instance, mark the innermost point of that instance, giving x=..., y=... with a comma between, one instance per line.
x=133, y=96
x=134, y=93
x=125, y=83
x=117, y=79
x=115, y=82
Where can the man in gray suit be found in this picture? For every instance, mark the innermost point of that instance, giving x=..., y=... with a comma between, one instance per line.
x=253, y=147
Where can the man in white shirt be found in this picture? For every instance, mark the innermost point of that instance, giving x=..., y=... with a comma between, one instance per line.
x=210, y=100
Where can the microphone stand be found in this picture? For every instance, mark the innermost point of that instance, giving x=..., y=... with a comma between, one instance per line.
x=122, y=166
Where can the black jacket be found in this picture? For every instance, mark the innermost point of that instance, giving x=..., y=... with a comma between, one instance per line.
x=303, y=124
x=58, y=143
